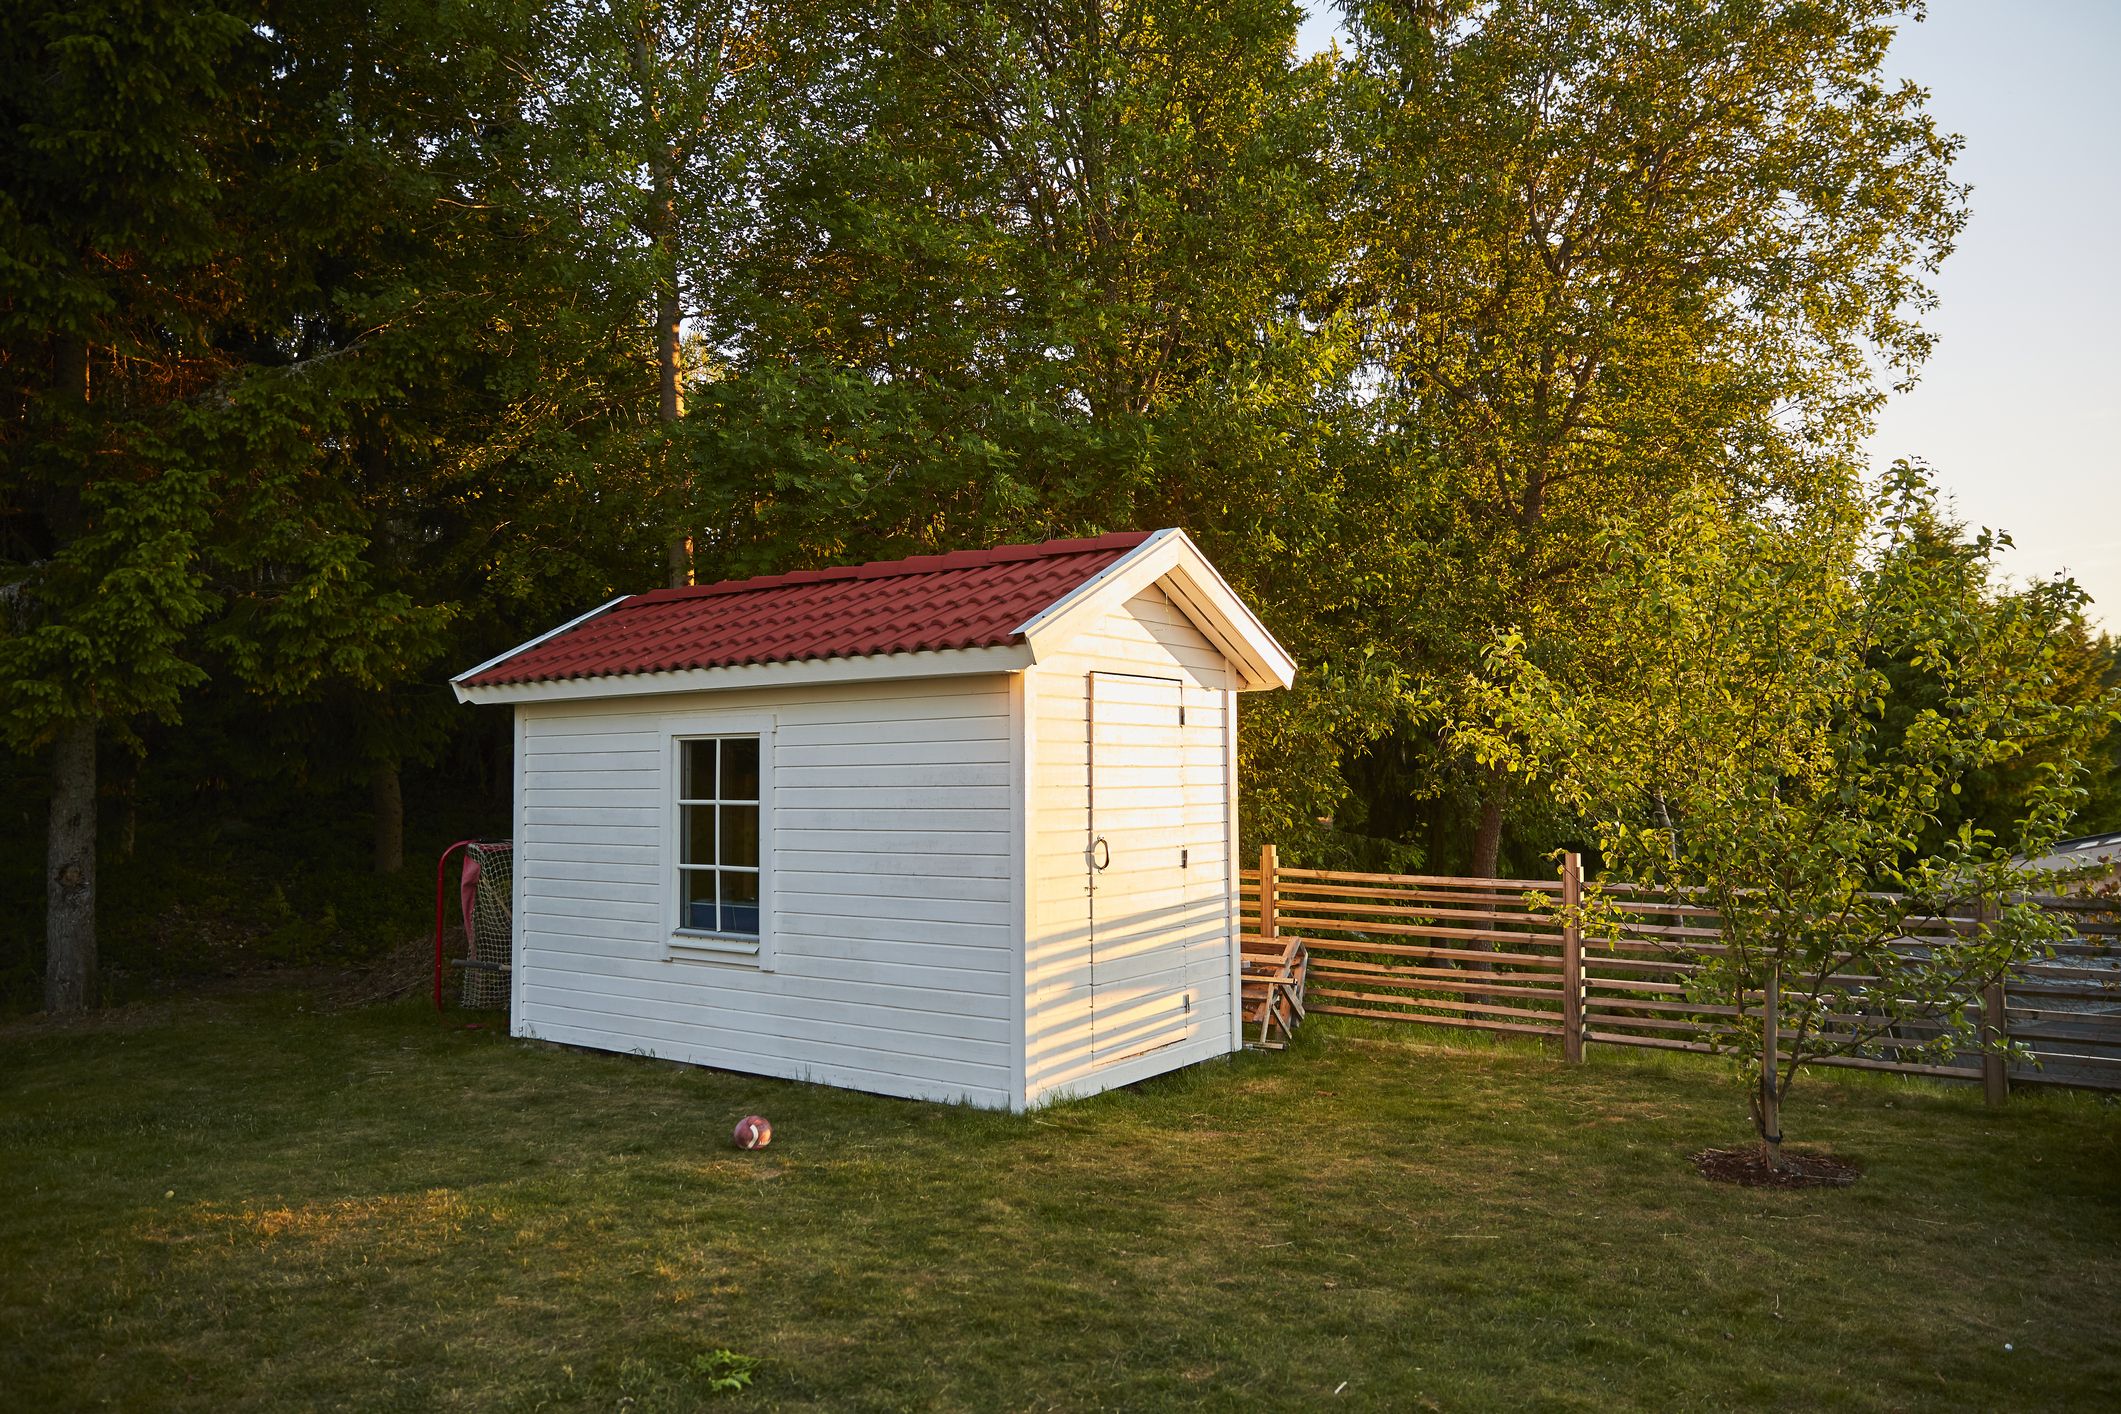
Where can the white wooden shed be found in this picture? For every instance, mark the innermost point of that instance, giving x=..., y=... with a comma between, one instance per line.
x=960, y=827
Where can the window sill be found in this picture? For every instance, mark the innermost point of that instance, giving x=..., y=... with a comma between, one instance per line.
x=713, y=947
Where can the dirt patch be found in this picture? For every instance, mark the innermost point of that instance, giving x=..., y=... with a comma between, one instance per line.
x=1801, y=1168
x=402, y=971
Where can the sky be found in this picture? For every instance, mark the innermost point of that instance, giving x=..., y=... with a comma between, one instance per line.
x=2019, y=409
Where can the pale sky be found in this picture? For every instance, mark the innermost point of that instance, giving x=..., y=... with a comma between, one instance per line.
x=2019, y=408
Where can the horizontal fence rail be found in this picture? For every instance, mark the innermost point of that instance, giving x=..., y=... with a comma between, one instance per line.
x=1493, y=955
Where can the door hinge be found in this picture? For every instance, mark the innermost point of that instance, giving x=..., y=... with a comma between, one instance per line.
x=1189, y=1001
x=1181, y=714
x=1182, y=858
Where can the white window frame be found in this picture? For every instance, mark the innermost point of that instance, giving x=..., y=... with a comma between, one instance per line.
x=690, y=945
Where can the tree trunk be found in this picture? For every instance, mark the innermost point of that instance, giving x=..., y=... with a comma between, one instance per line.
x=661, y=229
x=70, y=879
x=128, y=814
x=1487, y=836
x=1767, y=1110
x=387, y=801
x=669, y=319
x=670, y=406
x=1771, y=1120
x=1487, y=850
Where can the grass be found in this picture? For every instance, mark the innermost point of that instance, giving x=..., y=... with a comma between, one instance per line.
x=252, y=1205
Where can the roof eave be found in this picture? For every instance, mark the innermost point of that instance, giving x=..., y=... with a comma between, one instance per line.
x=458, y=683
x=926, y=663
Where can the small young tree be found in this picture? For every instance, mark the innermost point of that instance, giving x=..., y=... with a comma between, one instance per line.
x=1745, y=751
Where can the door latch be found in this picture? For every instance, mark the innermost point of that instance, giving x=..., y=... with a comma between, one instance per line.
x=1182, y=858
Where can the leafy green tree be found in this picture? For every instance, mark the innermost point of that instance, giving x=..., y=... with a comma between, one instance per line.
x=2083, y=667
x=1611, y=250
x=1034, y=267
x=664, y=112
x=294, y=380
x=112, y=126
x=1750, y=751
x=1059, y=266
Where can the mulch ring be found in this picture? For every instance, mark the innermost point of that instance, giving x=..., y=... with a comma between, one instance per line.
x=1801, y=1168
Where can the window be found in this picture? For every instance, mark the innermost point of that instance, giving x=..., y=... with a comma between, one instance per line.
x=718, y=837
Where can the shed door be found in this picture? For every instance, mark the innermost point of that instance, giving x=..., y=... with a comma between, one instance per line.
x=1139, y=997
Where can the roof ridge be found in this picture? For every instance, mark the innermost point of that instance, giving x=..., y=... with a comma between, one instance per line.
x=907, y=567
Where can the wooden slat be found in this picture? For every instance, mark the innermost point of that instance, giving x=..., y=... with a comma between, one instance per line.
x=1439, y=880
x=2074, y=1038
x=1603, y=1004
x=1411, y=930
x=1453, y=978
x=1678, y=910
x=1482, y=1008
x=1411, y=895
x=1470, y=1023
x=1463, y=983
x=1499, y=959
x=1290, y=904
x=1649, y=1023
x=1659, y=1043
x=2077, y=1058
x=1954, y=1072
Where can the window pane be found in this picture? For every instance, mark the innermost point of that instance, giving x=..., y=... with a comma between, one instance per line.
x=699, y=771
x=740, y=902
x=696, y=899
x=740, y=768
x=697, y=843
x=740, y=836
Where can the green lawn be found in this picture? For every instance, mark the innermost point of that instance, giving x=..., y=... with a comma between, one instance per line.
x=251, y=1205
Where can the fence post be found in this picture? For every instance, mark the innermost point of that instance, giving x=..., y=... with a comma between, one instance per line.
x=1267, y=865
x=1995, y=1027
x=1572, y=960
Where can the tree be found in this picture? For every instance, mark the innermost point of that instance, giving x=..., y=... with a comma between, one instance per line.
x=112, y=126
x=664, y=110
x=1031, y=268
x=267, y=316
x=1053, y=267
x=2084, y=669
x=1610, y=250
x=1751, y=753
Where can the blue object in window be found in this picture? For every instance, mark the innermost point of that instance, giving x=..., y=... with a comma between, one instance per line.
x=700, y=915
x=740, y=918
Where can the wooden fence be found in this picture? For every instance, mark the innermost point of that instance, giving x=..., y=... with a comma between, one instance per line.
x=1489, y=954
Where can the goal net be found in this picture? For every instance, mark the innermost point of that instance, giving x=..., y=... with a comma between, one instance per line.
x=485, y=893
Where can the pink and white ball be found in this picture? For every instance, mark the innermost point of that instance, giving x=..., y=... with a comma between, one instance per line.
x=753, y=1132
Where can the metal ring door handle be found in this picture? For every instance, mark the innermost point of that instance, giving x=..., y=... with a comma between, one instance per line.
x=1096, y=845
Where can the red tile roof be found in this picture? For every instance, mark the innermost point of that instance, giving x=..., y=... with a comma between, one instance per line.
x=972, y=599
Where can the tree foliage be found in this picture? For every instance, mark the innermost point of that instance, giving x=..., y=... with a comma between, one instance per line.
x=1609, y=251
x=343, y=346
x=1779, y=731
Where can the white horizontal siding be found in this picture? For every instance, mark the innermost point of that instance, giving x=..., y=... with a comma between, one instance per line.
x=895, y=965
x=1152, y=637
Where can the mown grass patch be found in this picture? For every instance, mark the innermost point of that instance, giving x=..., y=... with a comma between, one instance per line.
x=260, y=1206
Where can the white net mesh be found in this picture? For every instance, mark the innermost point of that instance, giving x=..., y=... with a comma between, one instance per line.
x=489, y=877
